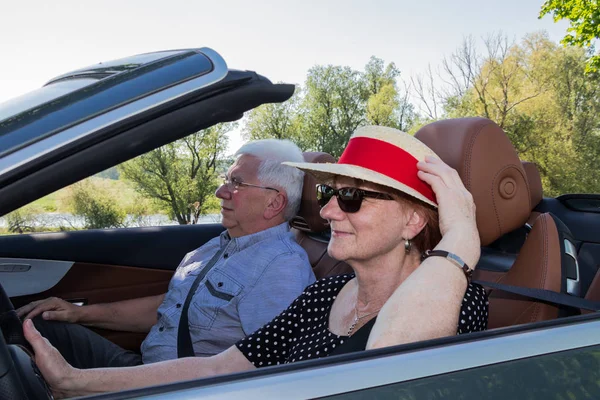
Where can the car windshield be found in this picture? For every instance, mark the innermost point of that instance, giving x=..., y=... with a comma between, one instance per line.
x=78, y=95
x=41, y=96
x=75, y=80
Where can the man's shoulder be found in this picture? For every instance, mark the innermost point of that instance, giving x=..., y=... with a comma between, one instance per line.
x=280, y=245
x=284, y=257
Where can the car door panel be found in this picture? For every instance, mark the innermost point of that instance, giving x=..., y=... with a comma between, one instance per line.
x=104, y=265
x=148, y=247
x=97, y=283
x=582, y=223
x=576, y=212
x=22, y=276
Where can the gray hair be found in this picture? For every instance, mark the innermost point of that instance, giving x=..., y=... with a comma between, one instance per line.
x=272, y=152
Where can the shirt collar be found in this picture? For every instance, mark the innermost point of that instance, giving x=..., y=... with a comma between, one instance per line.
x=242, y=242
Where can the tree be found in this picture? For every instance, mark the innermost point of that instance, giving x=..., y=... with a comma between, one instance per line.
x=333, y=107
x=584, y=18
x=181, y=175
x=386, y=105
x=377, y=75
x=493, y=83
x=97, y=208
x=277, y=121
x=334, y=102
x=540, y=95
x=22, y=220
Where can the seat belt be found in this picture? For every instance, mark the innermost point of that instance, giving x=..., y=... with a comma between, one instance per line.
x=544, y=295
x=184, y=340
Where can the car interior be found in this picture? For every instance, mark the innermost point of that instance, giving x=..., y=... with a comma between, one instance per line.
x=524, y=240
x=520, y=245
x=505, y=199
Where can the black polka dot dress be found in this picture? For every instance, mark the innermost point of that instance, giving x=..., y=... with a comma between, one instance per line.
x=301, y=331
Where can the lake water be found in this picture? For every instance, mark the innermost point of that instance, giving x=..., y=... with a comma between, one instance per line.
x=56, y=220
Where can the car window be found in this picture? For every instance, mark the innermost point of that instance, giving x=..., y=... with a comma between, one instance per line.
x=572, y=374
x=171, y=185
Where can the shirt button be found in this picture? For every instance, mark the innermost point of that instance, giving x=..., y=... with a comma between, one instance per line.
x=162, y=328
x=220, y=284
x=225, y=255
x=178, y=305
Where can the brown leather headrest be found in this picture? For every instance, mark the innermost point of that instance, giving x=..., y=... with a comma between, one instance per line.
x=535, y=183
x=308, y=218
x=488, y=166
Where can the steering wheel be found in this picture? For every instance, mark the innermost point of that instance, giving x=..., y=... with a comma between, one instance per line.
x=19, y=376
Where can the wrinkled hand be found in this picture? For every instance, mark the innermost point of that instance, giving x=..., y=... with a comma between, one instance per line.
x=56, y=371
x=455, y=204
x=51, y=308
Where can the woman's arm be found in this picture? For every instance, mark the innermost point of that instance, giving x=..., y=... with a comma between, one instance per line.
x=66, y=381
x=427, y=304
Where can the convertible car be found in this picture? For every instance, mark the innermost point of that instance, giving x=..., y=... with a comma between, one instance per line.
x=91, y=119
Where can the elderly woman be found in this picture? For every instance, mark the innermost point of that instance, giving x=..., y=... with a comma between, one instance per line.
x=403, y=221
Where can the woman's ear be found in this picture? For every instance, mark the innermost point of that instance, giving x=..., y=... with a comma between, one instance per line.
x=415, y=222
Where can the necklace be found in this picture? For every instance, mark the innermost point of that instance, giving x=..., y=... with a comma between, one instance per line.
x=357, y=318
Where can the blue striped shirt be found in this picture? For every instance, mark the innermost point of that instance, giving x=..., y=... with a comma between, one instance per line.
x=256, y=278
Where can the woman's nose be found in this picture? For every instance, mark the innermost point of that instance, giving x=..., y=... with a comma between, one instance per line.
x=332, y=210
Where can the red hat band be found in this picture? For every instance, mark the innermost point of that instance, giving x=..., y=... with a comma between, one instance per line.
x=386, y=159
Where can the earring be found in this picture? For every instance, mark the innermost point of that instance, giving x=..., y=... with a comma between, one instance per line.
x=407, y=246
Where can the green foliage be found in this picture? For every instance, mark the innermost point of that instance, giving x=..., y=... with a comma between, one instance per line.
x=111, y=173
x=334, y=102
x=98, y=210
x=584, y=18
x=334, y=106
x=539, y=93
x=47, y=203
x=277, y=121
x=22, y=220
x=181, y=173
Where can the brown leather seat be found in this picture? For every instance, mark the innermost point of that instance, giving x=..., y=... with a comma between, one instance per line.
x=593, y=293
x=312, y=231
x=491, y=170
x=535, y=188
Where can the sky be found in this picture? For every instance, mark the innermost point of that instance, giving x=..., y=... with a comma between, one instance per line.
x=281, y=39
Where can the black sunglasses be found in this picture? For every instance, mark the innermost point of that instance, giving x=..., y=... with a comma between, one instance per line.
x=349, y=198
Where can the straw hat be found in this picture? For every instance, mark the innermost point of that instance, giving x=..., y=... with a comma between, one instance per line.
x=382, y=155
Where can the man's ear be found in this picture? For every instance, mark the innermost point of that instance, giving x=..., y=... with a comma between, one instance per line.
x=414, y=224
x=275, y=206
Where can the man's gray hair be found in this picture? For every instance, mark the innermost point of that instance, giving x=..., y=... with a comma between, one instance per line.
x=272, y=152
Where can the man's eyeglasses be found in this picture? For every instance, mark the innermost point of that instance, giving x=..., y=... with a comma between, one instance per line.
x=349, y=198
x=235, y=184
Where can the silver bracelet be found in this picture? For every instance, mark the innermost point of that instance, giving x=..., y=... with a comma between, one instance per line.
x=452, y=258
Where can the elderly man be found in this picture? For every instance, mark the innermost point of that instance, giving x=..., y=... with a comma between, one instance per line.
x=221, y=292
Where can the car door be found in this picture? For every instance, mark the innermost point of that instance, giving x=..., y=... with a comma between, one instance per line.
x=549, y=360
x=581, y=214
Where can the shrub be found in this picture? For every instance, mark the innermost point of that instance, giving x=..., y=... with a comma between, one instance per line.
x=98, y=209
